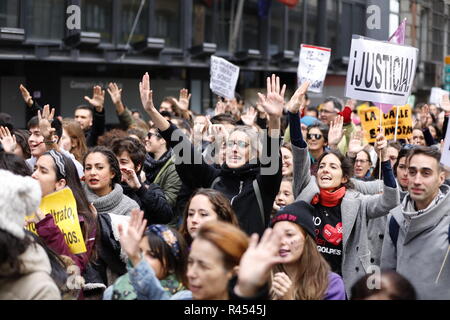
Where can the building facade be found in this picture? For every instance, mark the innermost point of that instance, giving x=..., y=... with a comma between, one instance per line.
x=41, y=46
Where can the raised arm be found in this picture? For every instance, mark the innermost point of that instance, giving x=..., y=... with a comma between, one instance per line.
x=124, y=115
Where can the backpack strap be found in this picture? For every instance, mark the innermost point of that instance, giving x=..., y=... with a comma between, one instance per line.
x=394, y=229
x=259, y=199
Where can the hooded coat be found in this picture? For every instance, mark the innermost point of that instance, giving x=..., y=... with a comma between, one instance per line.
x=34, y=281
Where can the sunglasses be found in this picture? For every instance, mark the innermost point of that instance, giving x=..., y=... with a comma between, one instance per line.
x=316, y=136
x=240, y=144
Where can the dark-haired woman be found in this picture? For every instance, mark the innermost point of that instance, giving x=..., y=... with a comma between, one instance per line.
x=205, y=205
x=102, y=183
x=341, y=213
x=55, y=172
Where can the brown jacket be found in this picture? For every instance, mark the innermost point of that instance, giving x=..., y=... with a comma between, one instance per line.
x=34, y=282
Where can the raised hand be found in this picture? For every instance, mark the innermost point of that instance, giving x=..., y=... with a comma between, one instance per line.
x=298, y=101
x=336, y=132
x=445, y=104
x=355, y=145
x=7, y=140
x=381, y=145
x=115, y=93
x=425, y=116
x=281, y=284
x=273, y=101
x=130, y=238
x=249, y=117
x=26, y=95
x=257, y=262
x=45, y=119
x=130, y=177
x=183, y=101
x=146, y=93
x=220, y=106
x=98, y=98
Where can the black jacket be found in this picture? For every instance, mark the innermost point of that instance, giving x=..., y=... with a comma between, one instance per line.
x=97, y=129
x=236, y=185
x=152, y=201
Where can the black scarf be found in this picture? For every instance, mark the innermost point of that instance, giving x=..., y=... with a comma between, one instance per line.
x=152, y=166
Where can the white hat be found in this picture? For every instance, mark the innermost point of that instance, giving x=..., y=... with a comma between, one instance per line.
x=19, y=197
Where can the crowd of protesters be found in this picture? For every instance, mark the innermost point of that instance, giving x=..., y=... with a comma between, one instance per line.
x=280, y=200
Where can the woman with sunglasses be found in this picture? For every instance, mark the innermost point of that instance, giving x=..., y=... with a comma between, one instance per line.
x=341, y=214
x=317, y=140
x=250, y=186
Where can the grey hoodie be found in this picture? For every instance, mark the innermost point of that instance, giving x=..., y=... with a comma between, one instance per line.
x=422, y=244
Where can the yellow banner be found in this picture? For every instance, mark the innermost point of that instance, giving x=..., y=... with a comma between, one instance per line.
x=370, y=120
x=63, y=207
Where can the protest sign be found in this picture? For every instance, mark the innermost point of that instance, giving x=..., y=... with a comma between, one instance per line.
x=224, y=76
x=436, y=95
x=380, y=71
x=370, y=120
x=313, y=66
x=63, y=207
x=445, y=157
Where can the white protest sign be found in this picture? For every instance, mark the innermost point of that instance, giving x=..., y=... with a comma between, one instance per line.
x=445, y=157
x=313, y=66
x=224, y=76
x=436, y=95
x=380, y=71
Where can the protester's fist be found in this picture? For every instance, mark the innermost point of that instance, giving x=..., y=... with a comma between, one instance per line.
x=381, y=145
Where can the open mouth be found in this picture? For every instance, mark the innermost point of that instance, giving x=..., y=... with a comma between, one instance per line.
x=283, y=253
x=93, y=181
x=325, y=178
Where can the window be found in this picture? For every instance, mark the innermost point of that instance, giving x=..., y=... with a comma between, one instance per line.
x=202, y=23
x=394, y=16
x=295, y=28
x=9, y=13
x=312, y=21
x=424, y=27
x=276, y=28
x=46, y=19
x=249, y=28
x=167, y=22
x=438, y=29
x=97, y=17
x=128, y=14
x=223, y=22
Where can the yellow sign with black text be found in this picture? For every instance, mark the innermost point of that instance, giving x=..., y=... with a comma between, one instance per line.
x=63, y=207
x=370, y=120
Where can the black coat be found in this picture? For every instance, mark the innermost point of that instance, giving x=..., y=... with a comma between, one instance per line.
x=152, y=201
x=236, y=185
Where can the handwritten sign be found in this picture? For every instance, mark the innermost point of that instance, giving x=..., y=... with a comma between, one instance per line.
x=380, y=71
x=224, y=76
x=63, y=207
x=370, y=120
x=436, y=95
x=313, y=66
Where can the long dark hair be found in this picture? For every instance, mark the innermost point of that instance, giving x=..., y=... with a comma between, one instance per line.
x=221, y=206
x=11, y=248
x=89, y=226
x=172, y=264
x=112, y=160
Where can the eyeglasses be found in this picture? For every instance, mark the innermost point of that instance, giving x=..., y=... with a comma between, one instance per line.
x=239, y=143
x=316, y=136
x=362, y=161
x=150, y=134
x=326, y=111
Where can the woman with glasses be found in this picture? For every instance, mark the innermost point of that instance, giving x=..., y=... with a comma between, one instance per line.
x=317, y=140
x=363, y=165
x=250, y=185
x=159, y=166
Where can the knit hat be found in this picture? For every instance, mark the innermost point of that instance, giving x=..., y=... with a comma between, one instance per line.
x=308, y=120
x=19, y=196
x=299, y=212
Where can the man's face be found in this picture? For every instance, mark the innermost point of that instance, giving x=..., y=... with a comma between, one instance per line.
x=166, y=106
x=424, y=179
x=327, y=113
x=84, y=118
x=36, y=142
